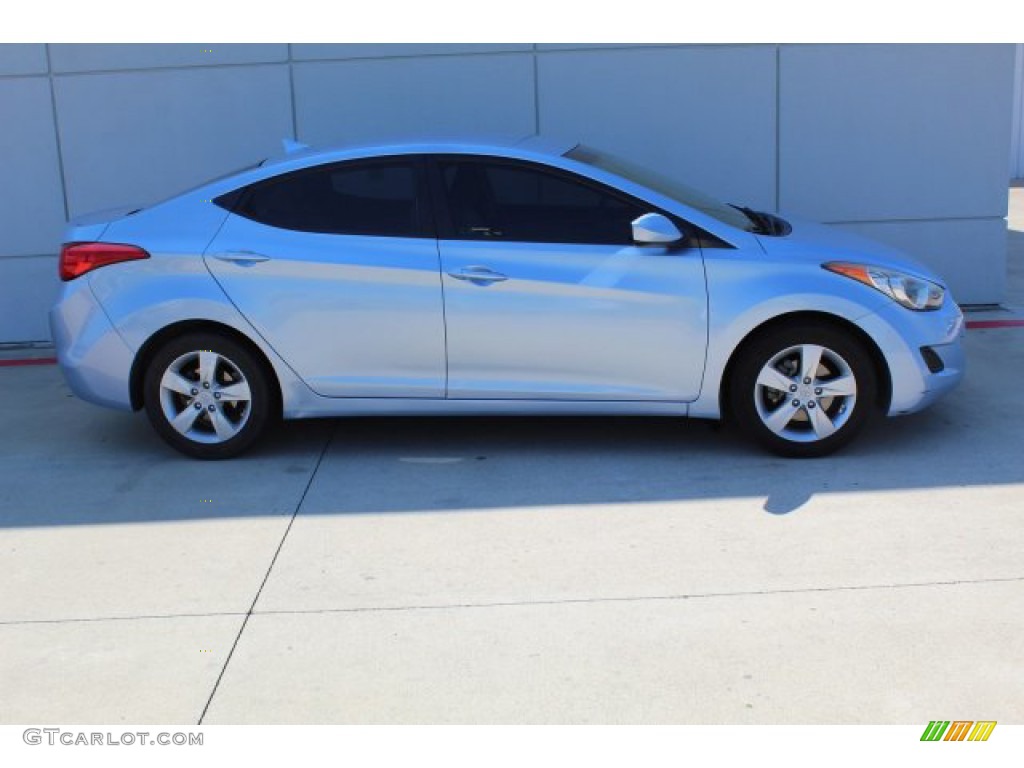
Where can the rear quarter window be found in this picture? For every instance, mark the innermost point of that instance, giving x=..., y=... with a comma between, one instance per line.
x=355, y=198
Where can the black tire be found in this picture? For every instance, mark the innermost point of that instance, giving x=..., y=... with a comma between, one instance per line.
x=225, y=424
x=795, y=417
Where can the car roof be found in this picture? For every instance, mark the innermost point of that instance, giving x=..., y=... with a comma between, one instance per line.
x=500, y=144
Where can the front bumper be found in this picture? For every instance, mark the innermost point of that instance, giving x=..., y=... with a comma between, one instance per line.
x=903, y=335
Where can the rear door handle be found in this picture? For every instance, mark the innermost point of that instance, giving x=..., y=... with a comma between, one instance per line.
x=479, y=275
x=241, y=257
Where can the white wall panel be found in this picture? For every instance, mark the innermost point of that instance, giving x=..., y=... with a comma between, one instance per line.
x=703, y=114
x=365, y=100
x=22, y=59
x=135, y=138
x=590, y=46
x=577, y=46
x=874, y=132
x=969, y=254
x=31, y=201
x=906, y=144
x=87, y=57
x=311, y=51
x=1017, y=135
x=28, y=288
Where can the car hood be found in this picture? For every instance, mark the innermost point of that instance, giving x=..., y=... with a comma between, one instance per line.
x=821, y=242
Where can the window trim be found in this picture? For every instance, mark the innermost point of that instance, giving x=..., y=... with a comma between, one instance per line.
x=425, y=218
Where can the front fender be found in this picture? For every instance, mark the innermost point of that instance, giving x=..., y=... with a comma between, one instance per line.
x=746, y=293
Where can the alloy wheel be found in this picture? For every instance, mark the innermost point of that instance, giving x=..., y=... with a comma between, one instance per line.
x=205, y=397
x=805, y=393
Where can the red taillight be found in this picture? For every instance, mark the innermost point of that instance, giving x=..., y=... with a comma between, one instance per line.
x=78, y=258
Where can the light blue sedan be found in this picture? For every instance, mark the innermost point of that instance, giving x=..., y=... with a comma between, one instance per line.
x=514, y=277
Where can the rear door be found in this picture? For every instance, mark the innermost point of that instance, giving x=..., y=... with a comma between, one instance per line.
x=337, y=268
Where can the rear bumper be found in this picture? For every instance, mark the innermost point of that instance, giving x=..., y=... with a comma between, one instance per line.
x=93, y=357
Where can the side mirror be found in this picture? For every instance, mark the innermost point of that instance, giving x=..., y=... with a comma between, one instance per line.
x=655, y=229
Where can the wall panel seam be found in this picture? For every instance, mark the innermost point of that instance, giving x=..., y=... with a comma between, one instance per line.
x=778, y=127
x=23, y=75
x=56, y=134
x=291, y=93
x=1017, y=126
x=918, y=220
x=536, y=91
x=646, y=46
x=174, y=68
x=292, y=59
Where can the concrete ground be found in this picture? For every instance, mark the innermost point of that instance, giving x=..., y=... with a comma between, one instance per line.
x=515, y=571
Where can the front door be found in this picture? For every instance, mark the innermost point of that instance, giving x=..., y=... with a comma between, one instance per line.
x=547, y=296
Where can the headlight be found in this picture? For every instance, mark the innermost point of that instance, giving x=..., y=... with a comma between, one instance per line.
x=907, y=290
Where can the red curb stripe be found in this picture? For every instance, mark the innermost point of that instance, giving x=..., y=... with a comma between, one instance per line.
x=30, y=361
x=995, y=323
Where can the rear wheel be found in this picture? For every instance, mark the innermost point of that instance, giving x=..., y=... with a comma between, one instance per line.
x=207, y=395
x=803, y=390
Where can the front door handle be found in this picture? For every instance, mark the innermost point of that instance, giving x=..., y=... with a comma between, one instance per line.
x=242, y=257
x=478, y=275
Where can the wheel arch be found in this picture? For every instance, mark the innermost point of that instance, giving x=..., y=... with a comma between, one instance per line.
x=881, y=366
x=150, y=347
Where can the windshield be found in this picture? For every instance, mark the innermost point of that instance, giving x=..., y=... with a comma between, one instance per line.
x=664, y=185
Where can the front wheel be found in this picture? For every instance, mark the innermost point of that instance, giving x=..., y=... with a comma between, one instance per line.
x=803, y=390
x=207, y=396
